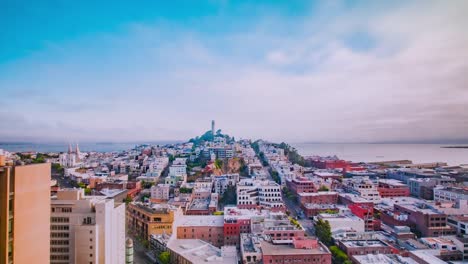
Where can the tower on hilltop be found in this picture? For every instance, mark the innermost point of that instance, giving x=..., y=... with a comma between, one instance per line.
x=213, y=127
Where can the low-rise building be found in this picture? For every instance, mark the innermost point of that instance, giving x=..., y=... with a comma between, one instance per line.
x=150, y=219
x=160, y=192
x=207, y=228
x=196, y=251
x=392, y=188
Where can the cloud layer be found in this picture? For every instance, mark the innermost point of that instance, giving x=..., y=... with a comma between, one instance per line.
x=341, y=73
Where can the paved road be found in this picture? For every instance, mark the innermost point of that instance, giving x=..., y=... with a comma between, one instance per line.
x=139, y=253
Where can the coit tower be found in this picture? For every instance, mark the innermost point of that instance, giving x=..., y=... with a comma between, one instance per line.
x=213, y=127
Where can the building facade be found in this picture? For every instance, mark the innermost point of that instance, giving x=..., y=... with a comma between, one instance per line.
x=25, y=213
x=86, y=229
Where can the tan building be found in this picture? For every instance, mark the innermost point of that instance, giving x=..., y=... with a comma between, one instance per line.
x=150, y=219
x=86, y=229
x=25, y=213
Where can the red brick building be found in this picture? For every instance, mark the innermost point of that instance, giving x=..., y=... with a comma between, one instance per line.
x=206, y=228
x=301, y=185
x=392, y=188
x=300, y=251
x=366, y=213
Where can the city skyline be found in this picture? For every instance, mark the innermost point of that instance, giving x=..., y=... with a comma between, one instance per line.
x=301, y=71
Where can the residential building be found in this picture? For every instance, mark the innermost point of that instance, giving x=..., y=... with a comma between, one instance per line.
x=86, y=229
x=25, y=213
x=259, y=193
x=150, y=219
x=364, y=187
x=160, y=192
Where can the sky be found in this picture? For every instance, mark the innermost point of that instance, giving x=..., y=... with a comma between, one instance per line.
x=296, y=71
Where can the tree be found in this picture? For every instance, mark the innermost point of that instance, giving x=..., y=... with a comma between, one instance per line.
x=164, y=257
x=218, y=163
x=128, y=200
x=87, y=191
x=339, y=256
x=323, y=231
x=323, y=188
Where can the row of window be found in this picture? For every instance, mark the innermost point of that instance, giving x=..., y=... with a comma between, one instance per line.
x=59, y=235
x=59, y=250
x=61, y=209
x=60, y=219
x=60, y=227
x=59, y=242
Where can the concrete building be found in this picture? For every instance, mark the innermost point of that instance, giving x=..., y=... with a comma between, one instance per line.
x=364, y=187
x=25, y=213
x=259, y=193
x=196, y=251
x=450, y=194
x=150, y=219
x=160, y=192
x=428, y=221
x=86, y=229
x=343, y=222
x=206, y=228
x=424, y=187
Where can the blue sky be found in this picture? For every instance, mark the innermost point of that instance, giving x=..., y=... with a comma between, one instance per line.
x=323, y=71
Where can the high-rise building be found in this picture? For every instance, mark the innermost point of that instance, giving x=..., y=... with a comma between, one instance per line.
x=25, y=213
x=86, y=229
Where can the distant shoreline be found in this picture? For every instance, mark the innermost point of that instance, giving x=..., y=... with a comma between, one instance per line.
x=455, y=147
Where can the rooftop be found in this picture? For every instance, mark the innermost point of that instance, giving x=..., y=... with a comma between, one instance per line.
x=288, y=249
x=199, y=251
x=201, y=220
x=365, y=243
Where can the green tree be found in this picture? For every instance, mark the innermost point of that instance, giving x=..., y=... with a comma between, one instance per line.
x=323, y=231
x=128, y=200
x=87, y=191
x=323, y=188
x=185, y=190
x=164, y=257
x=339, y=256
x=218, y=163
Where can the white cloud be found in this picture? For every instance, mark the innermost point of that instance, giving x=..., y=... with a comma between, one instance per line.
x=307, y=85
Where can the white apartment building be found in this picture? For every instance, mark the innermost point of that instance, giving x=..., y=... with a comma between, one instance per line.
x=450, y=194
x=86, y=229
x=364, y=187
x=178, y=169
x=160, y=192
x=264, y=193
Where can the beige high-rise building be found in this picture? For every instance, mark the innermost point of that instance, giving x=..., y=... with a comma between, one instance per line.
x=86, y=229
x=24, y=213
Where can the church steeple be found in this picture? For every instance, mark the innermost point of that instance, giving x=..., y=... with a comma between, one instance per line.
x=70, y=148
x=77, y=150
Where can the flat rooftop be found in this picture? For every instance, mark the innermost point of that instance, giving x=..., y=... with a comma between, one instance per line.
x=363, y=243
x=201, y=220
x=199, y=204
x=199, y=251
x=280, y=250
